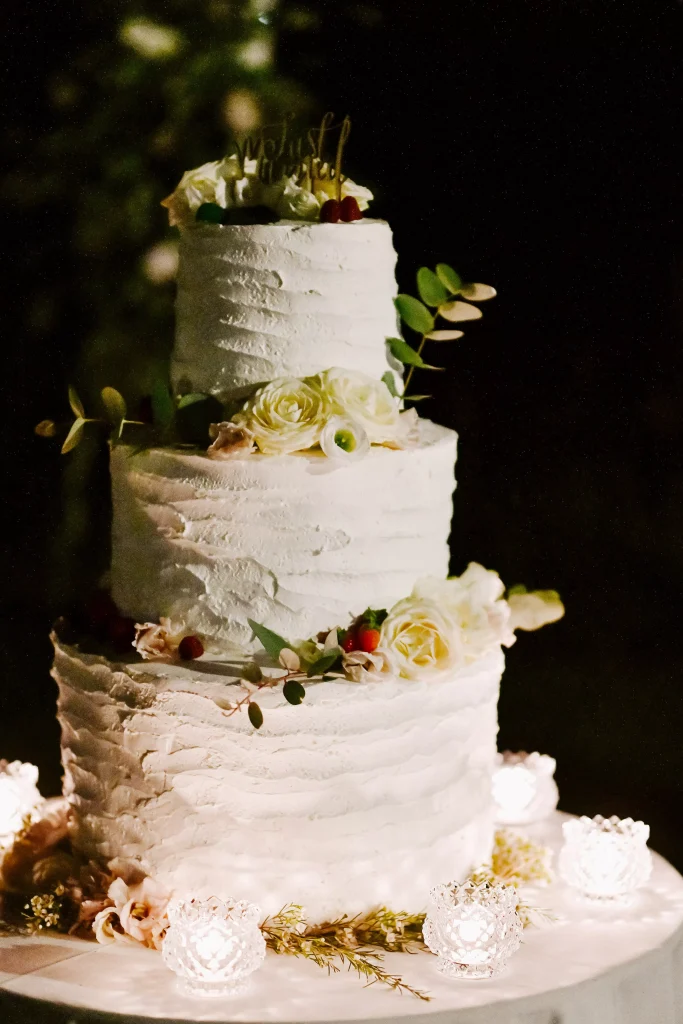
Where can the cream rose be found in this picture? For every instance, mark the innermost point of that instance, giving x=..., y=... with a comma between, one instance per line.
x=364, y=399
x=365, y=667
x=205, y=184
x=285, y=416
x=474, y=602
x=422, y=641
x=535, y=609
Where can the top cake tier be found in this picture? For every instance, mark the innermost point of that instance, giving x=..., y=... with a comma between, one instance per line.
x=261, y=301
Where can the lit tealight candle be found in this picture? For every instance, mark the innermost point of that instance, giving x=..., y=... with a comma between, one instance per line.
x=19, y=798
x=473, y=928
x=212, y=945
x=524, y=789
x=605, y=858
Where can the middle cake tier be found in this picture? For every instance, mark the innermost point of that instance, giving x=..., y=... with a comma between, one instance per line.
x=290, y=541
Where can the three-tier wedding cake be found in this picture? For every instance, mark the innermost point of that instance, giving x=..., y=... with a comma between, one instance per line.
x=349, y=765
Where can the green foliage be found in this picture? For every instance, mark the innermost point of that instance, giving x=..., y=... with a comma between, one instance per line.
x=390, y=382
x=414, y=313
x=209, y=213
x=76, y=404
x=324, y=664
x=293, y=691
x=450, y=279
x=74, y=436
x=271, y=642
x=402, y=351
x=163, y=406
x=431, y=290
x=115, y=405
x=255, y=714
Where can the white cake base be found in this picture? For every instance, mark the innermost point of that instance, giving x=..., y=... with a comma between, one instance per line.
x=365, y=794
x=593, y=966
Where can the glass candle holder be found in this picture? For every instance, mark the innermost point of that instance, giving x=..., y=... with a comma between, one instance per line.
x=473, y=928
x=212, y=945
x=19, y=798
x=605, y=858
x=524, y=789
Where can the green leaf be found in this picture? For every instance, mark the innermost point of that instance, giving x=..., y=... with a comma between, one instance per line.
x=402, y=351
x=255, y=714
x=74, y=435
x=320, y=667
x=390, y=382
x=163, y=406
x=415, y=398
x=293, y=691
x=271, y=642
x=414, y=313
x=449, y=277
x=76, y=404
x=445, y=335
x=115, y=404
x=196, y=396
x=432, y=291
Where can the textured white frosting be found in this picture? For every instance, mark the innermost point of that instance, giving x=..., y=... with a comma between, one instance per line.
x=257, y=302
x=292, y=541
x=363, y=794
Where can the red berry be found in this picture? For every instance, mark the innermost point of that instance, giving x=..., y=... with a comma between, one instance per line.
x=349, y=642
x=330, y=212
x=368, y=639
x=350, y=210
x=190, y=648
x=121, y=633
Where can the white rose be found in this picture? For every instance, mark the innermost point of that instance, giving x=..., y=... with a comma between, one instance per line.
x=293, y=202
x=423, y=641
x=284, y=416
x=474, y=602
x=536, y=609
x=364, y=399
x=205, y=184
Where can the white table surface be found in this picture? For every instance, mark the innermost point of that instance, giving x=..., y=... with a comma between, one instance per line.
x=593, y=965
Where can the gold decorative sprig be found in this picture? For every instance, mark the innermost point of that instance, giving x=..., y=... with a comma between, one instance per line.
x=48, y=911
x=344, y=942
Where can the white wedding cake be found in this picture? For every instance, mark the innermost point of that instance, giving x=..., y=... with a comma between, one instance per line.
x=349, y=764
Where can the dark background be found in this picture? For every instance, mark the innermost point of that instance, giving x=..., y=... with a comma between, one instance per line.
x=535, y=146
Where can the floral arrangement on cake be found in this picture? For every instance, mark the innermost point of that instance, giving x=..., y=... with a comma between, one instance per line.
x=441, y=628
x=266, y=179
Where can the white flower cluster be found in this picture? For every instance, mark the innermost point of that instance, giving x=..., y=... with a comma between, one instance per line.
x=343, y=411
x=224, y=183
x=447, y=624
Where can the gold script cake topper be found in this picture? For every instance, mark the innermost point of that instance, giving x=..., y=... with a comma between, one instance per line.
x=298, y=155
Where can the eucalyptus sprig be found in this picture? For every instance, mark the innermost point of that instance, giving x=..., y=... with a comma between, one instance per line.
x=441, y=292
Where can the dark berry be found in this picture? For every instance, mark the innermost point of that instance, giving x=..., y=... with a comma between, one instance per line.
x=190, y=648
x=350, y=210
x=209, y=213
x=330, y=212
x=350, y=643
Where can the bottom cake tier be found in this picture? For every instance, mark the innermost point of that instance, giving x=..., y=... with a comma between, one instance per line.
x=365, y=794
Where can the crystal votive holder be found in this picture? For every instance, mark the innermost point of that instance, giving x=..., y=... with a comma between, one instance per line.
x=605, y=858
x=212, y=945
x=524, y=788
x=473, y=928
x=19, y=798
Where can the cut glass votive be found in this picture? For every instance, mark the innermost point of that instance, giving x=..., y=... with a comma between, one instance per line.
x=19, y=798
x=524, y=788
x=213, y=946
x=473, y=928
x=605, y=858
